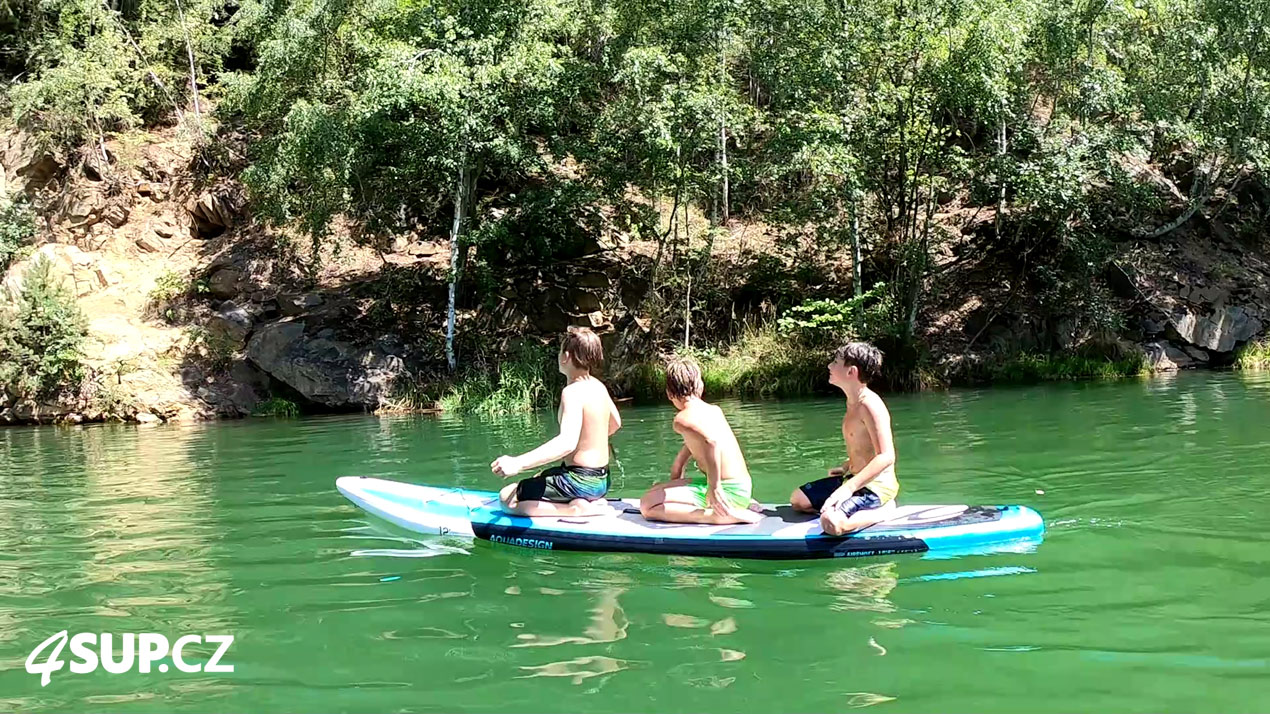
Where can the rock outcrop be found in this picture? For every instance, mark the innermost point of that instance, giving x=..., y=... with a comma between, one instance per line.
x=326, y=370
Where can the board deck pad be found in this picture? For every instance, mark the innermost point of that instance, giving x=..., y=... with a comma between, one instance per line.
x=783, y=533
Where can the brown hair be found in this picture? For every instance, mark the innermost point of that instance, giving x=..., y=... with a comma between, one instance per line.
x=866, y=358
x=683, y=378
x=584, y=348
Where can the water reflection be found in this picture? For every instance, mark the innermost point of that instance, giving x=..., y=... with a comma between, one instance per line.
x=865, y=588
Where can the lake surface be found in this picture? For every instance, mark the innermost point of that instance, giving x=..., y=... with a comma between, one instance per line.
x=1149, y=594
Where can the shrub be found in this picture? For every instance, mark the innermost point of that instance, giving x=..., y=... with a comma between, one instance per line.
x=1254, y=355
x=522, y=383
x=276, y=407
x=42, y=333
x=17, y=227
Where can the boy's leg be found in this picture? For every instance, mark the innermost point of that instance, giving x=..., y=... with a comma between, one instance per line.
x=856, y=513
x=810, y=496
x=530, y=497
x=657, y=492
x=682, y=504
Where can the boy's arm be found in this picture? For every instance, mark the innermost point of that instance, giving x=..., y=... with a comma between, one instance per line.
x=565, y=443
x=878, y=421
x=615, y=419
x=680, y=463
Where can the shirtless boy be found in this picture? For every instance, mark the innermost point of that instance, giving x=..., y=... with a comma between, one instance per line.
x=861, y=491
x=724, y=495
x=588, y=418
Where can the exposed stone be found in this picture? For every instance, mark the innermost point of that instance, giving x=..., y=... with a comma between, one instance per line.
x=422, y=249
x=105, y=276
x=231, y=322
x=86, y=208
x=115, y=214
x=597, y=319
x=164, y=227
x=1195, y=353
x=147, y=419
x=292, y=305
x=1164, y=357
x=225, y=283
x=1220, y=331
x=24, y=166
x=150, y=243
x=592, y=280
x=584, y=301
x=323, y=369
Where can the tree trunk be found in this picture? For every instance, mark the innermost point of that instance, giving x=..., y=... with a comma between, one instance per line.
x=460, y=203
x=857, y=259
x=189, y=49
x=1001, y=148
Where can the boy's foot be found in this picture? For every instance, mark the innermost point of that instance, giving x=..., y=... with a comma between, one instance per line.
x=756, y=507
x=583, y=507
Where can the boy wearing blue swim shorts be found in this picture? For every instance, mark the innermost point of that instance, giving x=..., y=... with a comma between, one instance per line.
x=857, y=494
x=588, y=418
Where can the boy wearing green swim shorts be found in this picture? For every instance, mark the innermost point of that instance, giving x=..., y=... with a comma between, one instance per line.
x=723, y=496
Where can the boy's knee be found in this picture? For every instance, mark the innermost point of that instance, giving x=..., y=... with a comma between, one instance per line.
x=507, y=496
x=799, y=501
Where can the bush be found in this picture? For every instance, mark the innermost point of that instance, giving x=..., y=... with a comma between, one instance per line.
x=42, y=333
x=17, y=227
x=1254, y=355
x=276, y=407
x=522, y=383
x=830, y=321
x=763, y=362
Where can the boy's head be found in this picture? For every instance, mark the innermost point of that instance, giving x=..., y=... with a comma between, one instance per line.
x=855, y=362
x=683, y=380
x=581, y=349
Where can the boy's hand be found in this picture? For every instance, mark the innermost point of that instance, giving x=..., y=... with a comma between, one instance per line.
x=837, y=471
x=716, y=503
x=505, y=466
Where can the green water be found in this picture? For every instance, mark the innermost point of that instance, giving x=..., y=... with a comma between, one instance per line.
x=1149, y=593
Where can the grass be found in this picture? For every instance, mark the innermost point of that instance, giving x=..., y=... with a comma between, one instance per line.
x=523, y=382
x=1254, y=355
x=761, y=363
x=276, y=407
x=1025, y=368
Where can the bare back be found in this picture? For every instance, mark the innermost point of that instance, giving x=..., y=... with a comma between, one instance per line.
x=597, y=409
x=710, y=423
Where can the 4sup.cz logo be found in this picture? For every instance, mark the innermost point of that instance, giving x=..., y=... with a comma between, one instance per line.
x=90, y=650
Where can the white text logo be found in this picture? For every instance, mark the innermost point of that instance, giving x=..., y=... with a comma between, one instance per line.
x=89, y=649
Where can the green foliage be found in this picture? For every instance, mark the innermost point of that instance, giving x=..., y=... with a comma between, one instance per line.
x=92, y=70
x=762, y=362
x=17, y=228
x=276, y=407
x=42, y=333
x=827, y=321
x=1027, y=367
x=523, y=382
x=1254, y=355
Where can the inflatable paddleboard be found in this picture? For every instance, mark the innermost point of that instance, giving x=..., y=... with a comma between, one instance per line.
x=782, y=534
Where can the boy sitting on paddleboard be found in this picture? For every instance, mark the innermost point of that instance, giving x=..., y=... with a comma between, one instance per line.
x=859, y=493
x=588, y=418
x=724, y=495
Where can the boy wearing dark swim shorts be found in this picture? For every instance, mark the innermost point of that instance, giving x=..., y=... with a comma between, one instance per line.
x=860, y=492
x=588, y=418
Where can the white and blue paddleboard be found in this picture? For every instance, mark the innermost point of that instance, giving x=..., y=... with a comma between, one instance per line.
x=782, y=534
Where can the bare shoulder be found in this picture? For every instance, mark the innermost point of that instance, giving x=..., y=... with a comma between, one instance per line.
x=875, y=408
x=687, y=420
